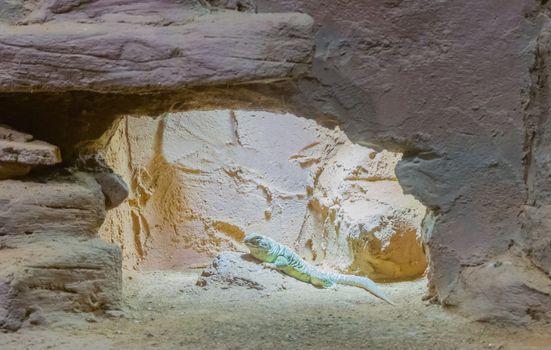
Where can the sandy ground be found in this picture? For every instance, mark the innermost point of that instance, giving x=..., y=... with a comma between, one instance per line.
x=165, y=310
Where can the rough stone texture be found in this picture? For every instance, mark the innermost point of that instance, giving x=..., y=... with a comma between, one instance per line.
x=119, y=57
x=10, y=170
x=55, y=272
x=238, y=5
x=19, y=153
x=71, y=204
x=537, y=212
x=229, y=270
x=427, y=78
x=113, y=188
x=29, y=153
x=9, y=134
x=112, y=185
x=527, y=290
x=50, y=256
x=360, y=222
x=147, y=12
x=200, y=180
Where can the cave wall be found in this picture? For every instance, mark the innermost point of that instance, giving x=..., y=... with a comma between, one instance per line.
x=448, y=83
x=200, y=180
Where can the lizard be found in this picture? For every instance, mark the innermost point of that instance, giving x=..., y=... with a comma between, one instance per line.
x=284, y=259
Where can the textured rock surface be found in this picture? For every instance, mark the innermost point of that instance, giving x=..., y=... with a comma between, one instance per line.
x=9, y=170
x=9, y=134
x=426, y=78
x=238, y=5
x=29, y=153
x=19, y=153
x=527, y=296
x=537, y=212
x=112, y=185
x=50, y=256
x=56, y=273
x=71, y=204
x=230, y=269
x=212, y=49
x=201, y=180
x=360, y=222
x=148, y=12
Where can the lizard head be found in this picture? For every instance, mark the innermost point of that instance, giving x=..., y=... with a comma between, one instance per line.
x=254, y=240
x=258, y=245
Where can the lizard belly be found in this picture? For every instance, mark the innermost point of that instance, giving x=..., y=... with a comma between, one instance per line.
x=291, y=271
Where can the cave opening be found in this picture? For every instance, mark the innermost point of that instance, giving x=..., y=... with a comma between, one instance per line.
x=201, y=180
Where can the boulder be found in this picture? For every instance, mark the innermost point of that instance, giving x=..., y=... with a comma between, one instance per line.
x=19, y=153
x=72, y=204
x=29, y=153
x=56, y=272
x=231, y=269
x=9, y=134
x=112, y=185
x=9, y=170
x=528, y=290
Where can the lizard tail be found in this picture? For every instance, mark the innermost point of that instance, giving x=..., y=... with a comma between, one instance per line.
x=365, y=283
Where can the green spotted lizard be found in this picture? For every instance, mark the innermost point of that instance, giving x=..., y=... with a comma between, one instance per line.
x=282, y=258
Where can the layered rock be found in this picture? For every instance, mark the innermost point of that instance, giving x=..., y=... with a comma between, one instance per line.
x=115, y=56
x=50, y=256
x=19, y=153
x=56, y=272
x=71, y=204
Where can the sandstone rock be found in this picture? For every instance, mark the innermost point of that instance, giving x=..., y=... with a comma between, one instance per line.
x=9, y=134
x=222, y=48
x=71, y=204
x=56, y=272
x=113, y=188
x=112, y=185
x=212, y=177
x=201, y=180
x=146, y=12
x=10, y=170
x=424, y=78
x=360, y=222
x=238, y=5
x=469, y=135
x=18, y=153
x=229, y=269
x=526, y=297
x=29, y=153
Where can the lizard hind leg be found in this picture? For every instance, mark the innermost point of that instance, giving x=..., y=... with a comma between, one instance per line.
x=321, y=282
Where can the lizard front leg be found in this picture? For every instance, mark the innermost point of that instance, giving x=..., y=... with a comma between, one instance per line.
x=279, y=263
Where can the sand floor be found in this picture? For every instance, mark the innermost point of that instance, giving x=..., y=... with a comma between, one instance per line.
x=165, y=310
